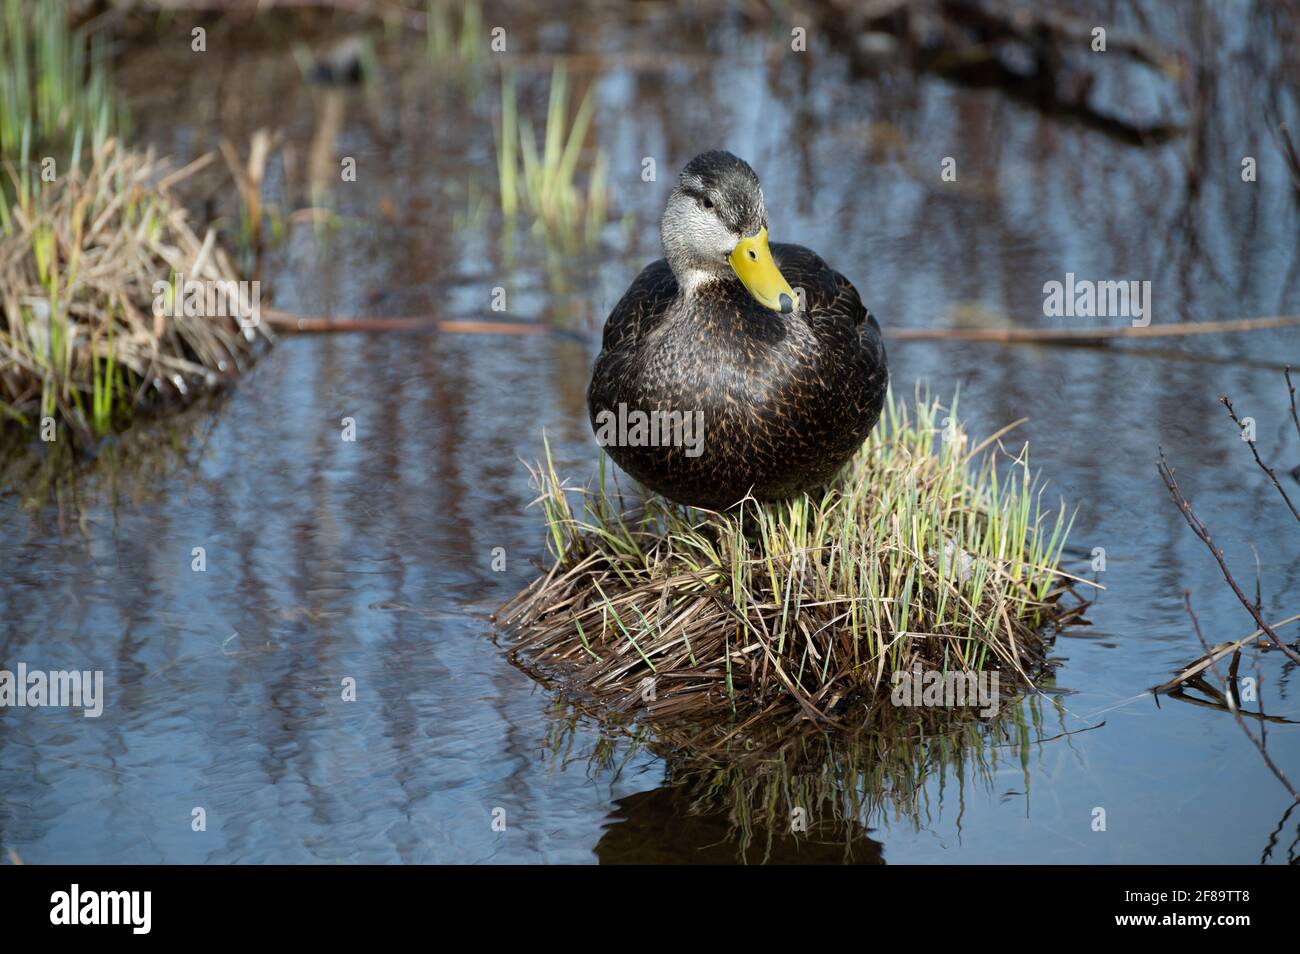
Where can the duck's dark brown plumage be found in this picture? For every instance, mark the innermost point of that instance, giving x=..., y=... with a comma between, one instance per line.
x=786, y=399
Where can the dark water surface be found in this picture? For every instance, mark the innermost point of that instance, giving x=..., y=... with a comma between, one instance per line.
x=373, y=559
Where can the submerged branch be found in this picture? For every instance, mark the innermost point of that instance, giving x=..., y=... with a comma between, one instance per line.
x=302, y=324
x=1193, y=669
x=287, y=321
x=1071, y=335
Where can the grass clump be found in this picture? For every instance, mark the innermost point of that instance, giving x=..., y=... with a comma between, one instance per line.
x=81, y=342
x=925, y=551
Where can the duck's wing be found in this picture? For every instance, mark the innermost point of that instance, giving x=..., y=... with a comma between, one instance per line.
x=828, y=295
x=642, y=306
x=847, y=300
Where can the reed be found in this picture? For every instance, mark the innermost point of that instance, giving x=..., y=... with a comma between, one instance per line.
x=55, y=84
x=447, y=44
x=541, y=180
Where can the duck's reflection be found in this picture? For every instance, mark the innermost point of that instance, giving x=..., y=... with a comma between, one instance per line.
x=664, y=826
x=795, y=793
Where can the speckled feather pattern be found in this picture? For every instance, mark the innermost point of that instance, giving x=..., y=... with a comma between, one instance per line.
x=786, y=399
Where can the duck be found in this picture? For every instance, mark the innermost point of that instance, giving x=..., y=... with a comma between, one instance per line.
x=734, y=368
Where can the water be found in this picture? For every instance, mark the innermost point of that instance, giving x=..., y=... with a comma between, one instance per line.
x=372, y=560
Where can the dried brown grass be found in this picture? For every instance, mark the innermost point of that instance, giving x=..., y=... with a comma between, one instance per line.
x=81, y=341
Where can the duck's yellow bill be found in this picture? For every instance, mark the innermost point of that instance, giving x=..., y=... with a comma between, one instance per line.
x=752, y=262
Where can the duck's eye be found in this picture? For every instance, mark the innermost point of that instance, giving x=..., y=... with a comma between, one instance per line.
x=707, y=202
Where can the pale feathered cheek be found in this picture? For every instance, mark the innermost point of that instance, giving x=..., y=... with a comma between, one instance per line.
x=705, y=233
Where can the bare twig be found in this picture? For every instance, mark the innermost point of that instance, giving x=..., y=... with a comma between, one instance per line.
x=1236, y=714
x=1199, y=528
x=1290, y=386
x=1227, y=402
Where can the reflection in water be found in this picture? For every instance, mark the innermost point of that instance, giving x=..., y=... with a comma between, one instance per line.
x=666, y=826
x=800, y=793
x=125, y=468
x=1292, y=849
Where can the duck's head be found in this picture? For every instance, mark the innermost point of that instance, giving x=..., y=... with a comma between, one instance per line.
x=715, y=230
